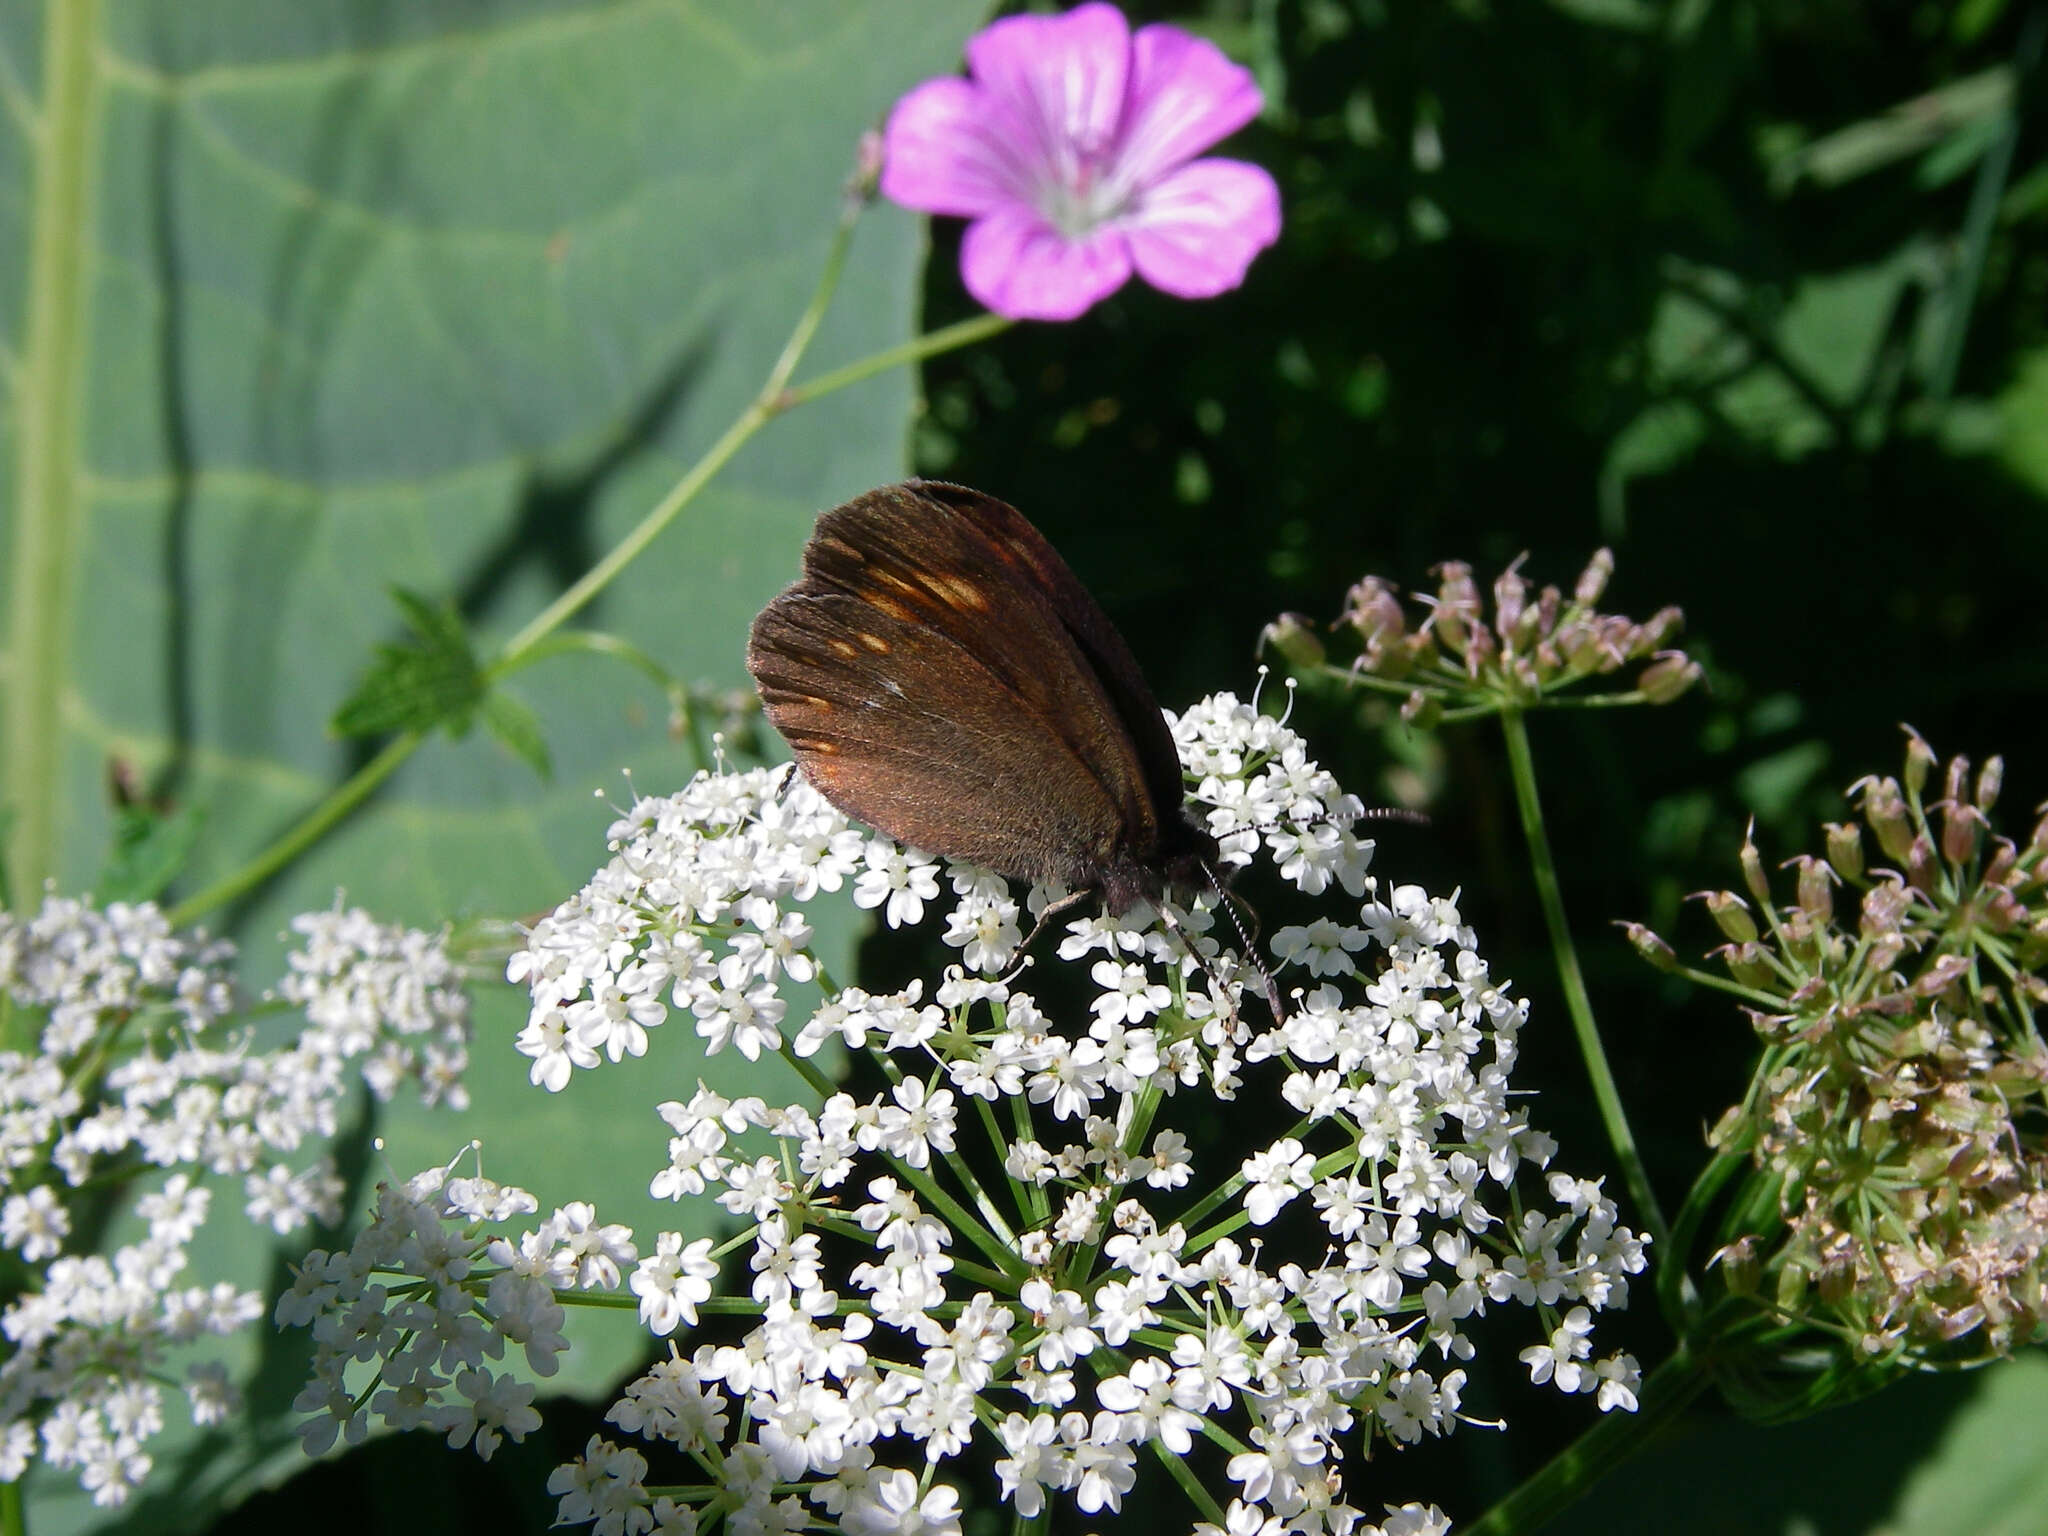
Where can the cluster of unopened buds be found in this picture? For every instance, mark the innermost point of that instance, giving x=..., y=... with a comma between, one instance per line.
x=1537, y=643
x=1901, y=1105
x=1011, y=1243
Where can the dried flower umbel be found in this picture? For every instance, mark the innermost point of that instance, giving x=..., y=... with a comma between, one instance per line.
x=1537, y=644
x=1900, y=1110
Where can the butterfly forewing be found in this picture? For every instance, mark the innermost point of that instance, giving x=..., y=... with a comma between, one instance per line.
x=1109, y=658
x=933, y=683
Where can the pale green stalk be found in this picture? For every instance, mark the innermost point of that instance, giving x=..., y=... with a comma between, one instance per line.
x=1522, y=767
x=50, y=399
x=999, y=1251
x=1667, y=1392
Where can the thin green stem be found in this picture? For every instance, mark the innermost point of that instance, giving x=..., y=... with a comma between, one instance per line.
x=48, y=508
x=1522, y=766
x=1674, y=1296
x=1443, y=682
x=1731, y=988
x=957, y=1216
x=1190, y=1484
x=765, y=407
x=1550, y=700
x=946, y=339
x=589, y=642
x=1667, y=1393
x=627, y=550
x=325, y=816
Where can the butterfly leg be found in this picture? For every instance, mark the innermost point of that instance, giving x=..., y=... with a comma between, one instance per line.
x=1053, y=909
x=1174, y=926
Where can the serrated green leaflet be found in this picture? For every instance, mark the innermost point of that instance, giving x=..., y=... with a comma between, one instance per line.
x=431, y=679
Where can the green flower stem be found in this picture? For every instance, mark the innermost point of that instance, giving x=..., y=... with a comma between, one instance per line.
x=1769, y=1002
x=991, y=1218
x=957, y=1216
x=775, y=398
x=328, y=814
x=585, y=642
x=1522, y=765
x=1628, y=700
x=1445, y=682
x=947, y=338
x=767, y=405
x=1666, y=1394
x=961, y=1220
x=1673, y=1294
x=48, y=510
x=985, y=1113
x=1197, y=1492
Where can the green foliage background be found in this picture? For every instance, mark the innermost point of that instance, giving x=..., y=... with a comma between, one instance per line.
x=444, y=293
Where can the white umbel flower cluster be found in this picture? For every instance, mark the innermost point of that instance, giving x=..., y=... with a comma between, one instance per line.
x=433, y=1345
x=1103, y=1298
x=388, y=997
x=140, y=1074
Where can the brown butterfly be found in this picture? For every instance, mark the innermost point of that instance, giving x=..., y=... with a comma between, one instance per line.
x=942, y=676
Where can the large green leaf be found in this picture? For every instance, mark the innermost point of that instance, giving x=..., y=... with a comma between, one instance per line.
x=1929, y=1456
x=302, y=300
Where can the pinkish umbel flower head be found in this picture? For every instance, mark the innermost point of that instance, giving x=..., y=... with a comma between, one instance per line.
x=1071, y=148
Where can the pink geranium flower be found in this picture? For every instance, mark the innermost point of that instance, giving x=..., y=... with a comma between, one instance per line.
x=1072, y=150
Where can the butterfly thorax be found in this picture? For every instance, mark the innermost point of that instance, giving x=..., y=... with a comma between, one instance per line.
x=1177, y=867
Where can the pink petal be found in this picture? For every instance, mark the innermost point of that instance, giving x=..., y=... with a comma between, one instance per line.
x=1184, y=96
x=1194, y=233
x=1061, y=77
x=943, y=153
x=1020, y=266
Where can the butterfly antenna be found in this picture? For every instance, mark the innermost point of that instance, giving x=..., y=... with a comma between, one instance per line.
x=1399, y=813
x=1251, y=951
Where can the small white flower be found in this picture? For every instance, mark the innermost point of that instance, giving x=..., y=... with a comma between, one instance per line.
x=1559, y=1358
x=1324, y=947
x=899, y=879
x=34, y=1224
x=673, y=1281
x=893, y=1508
x=1274, y=1177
